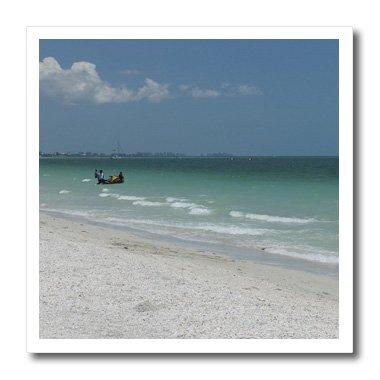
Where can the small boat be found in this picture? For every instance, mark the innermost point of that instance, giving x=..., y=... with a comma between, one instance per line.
x=112, y=180
x=107, y=182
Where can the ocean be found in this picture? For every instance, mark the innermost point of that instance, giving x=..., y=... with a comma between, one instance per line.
x=276, y=210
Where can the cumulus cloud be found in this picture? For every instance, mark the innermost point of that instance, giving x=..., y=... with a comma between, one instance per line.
x=226, y=89
x=82, y=83
x=246, y=89
x=197, y=92
x=201, y=93
x=240, y=90
x=152, y=91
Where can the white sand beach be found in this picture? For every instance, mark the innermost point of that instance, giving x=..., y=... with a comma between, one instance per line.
x=98, y=282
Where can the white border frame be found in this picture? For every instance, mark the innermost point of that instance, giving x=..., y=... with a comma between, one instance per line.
x=344, y=344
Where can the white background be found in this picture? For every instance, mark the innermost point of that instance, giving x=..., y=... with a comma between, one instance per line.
x=16, y=15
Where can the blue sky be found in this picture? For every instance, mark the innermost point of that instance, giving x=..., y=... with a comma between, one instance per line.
x=244, y=97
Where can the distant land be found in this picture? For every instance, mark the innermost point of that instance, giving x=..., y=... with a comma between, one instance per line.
x=137, y=154
x=161, y=154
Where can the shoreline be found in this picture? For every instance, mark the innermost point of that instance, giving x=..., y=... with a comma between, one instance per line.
x=99, y=282
x=252, y=254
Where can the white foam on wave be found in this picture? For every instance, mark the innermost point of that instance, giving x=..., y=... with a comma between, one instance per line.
x=173, y=199
x=236, y=214
x=64, y=192
x=231, y=230
x=183, y=205
x=105, y=190
x=199, y=211
x=131, y=198
x=269, y=218
x=280, y=219
x=148, y=203
x=112, y=195
x=191, y=227
x=194, y=209
x=86, y=180
x=322, y=257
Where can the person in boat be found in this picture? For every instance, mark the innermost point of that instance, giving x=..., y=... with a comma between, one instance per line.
x=121, y=177
x=101, y=177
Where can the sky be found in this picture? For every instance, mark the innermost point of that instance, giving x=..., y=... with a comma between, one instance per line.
x=242, y=97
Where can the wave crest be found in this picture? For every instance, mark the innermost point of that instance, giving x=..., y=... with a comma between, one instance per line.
x=112, y=195
x=148, y=203
x=131, y=198
x=270, y=218
x=321, y=257
x=280, y=219
x=200, y=211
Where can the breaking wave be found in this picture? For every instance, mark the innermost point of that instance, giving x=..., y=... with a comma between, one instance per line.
x=130, y=198
x=194, y=209
x=148, y=203
x=270, y=218
x=112, y=195
x=200, y=211
x=325, y=257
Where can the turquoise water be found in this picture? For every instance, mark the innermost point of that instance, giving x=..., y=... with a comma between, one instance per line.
x=275, y=209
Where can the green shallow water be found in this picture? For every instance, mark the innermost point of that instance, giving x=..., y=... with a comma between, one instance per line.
x=284, y=207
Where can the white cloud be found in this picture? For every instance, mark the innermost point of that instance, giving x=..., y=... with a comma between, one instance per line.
x=202, y=93
x=246, y=89
x=153, y=91
x=81, y=83
x=197, y=92
x=226, y=89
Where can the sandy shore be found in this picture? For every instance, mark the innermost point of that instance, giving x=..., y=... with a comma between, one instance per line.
x=97, y=282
